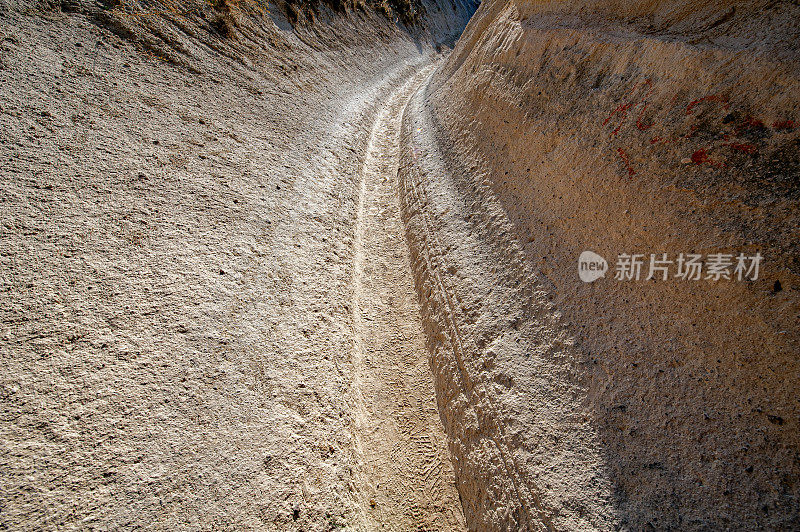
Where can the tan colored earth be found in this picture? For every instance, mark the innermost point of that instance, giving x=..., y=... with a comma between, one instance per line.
x=314, y=266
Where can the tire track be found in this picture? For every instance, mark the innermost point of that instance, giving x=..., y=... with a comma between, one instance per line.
x=406, y=480
x=466, y=398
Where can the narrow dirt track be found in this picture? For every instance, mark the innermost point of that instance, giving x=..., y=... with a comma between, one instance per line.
x=407, y=480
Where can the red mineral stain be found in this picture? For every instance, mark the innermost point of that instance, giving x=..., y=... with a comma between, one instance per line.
x=626, y=160
x=639, y=125
x=749, y=123
x=622, y=109
x=700, y=156
x=712, y=98
x=654, y=140
x=747, y=148
x=783, y=124
x=691, y=132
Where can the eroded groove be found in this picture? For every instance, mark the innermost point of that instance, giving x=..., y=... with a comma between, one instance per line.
x=406, y=479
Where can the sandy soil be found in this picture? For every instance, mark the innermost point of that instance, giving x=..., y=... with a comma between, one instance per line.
x=188, y=340
x=407, y=477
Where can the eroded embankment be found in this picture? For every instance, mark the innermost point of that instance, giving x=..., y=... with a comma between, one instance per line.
x=620, y=128
x=177, y=210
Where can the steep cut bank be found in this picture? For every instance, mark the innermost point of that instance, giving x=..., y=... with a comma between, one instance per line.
x=179, y=202
x=619, y=128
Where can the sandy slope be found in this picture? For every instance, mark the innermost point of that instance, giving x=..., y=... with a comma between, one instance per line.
x=178, y=212
x=617, y=127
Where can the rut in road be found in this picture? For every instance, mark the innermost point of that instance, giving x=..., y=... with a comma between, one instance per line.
x=405, y=475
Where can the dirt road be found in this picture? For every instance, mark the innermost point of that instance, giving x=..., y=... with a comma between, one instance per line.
x=405, y=468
